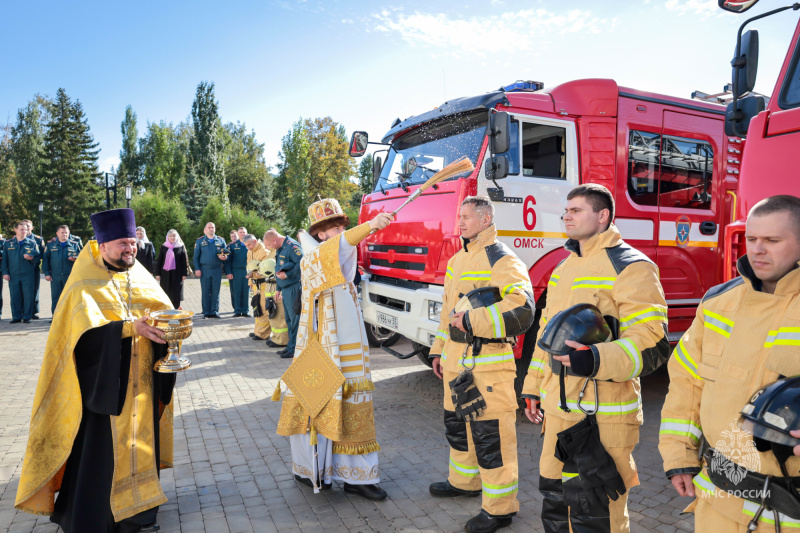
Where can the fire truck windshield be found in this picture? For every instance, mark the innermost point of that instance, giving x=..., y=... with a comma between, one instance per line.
x=433, y=146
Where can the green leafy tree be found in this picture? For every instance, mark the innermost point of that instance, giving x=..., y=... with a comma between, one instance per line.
x=250, y=184
x=206, y=146
x=69, y=172
x=27, y=148
x=12, y=197
x=294, y=176
x=331, y=167
x=158, y=215
x=365, y=175
x=128, y=171
x=162, y=153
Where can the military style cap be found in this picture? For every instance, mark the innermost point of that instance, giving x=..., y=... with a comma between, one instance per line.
x=113, y=224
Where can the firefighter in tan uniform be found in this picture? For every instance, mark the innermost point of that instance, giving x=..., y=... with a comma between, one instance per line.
x=274, y=329
x=745, y=335
x=483, y=446
x=623, y=283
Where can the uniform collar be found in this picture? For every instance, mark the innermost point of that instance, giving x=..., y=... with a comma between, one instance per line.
x=788, y=284
x=481, y=240
x=606, y=239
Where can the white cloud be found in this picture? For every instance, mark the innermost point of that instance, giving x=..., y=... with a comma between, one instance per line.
x=501, y=33
x=701, y=8
x=106, y=163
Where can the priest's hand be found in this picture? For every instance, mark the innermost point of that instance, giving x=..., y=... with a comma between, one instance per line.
x=381, y=221
x=144, y=329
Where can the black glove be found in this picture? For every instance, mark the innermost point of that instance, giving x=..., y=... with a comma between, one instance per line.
x=255, y=303
x=467, y=398
x=599, y=475
x=575, y=495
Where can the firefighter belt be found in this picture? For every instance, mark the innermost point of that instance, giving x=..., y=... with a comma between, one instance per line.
x=777, y=495
x=483, y=451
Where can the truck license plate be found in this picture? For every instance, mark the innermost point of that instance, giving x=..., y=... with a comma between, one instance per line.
x=387, y=320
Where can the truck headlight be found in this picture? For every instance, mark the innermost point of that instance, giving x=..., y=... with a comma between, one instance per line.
x=434, y=311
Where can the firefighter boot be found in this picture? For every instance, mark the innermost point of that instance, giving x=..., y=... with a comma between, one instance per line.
x=487, y=523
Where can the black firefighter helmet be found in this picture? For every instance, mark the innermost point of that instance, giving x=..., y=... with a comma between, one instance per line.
x=773, y=412
x=474, y=299
x=583, y=323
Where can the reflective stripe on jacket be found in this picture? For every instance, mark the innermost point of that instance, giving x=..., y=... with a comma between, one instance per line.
x=623, y=283
x=485, y=262
x=741, y=340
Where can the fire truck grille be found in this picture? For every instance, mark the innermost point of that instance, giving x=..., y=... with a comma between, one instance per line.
x=405, y=265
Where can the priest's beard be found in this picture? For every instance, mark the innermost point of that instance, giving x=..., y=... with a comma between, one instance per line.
x=124, y=261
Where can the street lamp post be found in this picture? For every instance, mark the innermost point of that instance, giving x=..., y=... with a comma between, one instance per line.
x=41, y=212
x=108, y=189
x=128, y=191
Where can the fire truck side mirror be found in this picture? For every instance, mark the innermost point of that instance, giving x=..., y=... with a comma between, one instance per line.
x=737, y=119
x=496, y=167
x=499, y=132
x=745, y=64
x=377, y=163
x=358, y=143
x=736, y=6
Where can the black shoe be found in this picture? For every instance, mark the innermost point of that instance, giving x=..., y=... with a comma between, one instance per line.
x=370, y=492
x=16, y=321
x=149, y=528
x=214, y=315
x=26, y=321
x=444, y=489
x=287, y=355
x=307, y=482
x=282, y=352
x=206, y=316
x=486, y=523
x=245, y=315
x=35, y=317
x=252, y=334
x=275, y=345
x=256, y=338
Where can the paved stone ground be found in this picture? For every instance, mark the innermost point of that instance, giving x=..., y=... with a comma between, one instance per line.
x=232, y=472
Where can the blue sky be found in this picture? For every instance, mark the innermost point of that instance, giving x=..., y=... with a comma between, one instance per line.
x=363, y=63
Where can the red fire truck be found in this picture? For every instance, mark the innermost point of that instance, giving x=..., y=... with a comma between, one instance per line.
x=769, y=161
x=667, y=160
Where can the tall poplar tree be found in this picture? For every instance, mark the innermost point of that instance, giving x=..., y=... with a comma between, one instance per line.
x=206, y=146
x=69, y=172
x=294, y=175
x=129, y=163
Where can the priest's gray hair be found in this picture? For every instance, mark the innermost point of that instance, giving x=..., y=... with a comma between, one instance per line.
x=481, y=204
x=249, y=237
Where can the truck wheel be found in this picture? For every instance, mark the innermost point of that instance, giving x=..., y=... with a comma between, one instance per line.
x=378, y=335
x=423, y=355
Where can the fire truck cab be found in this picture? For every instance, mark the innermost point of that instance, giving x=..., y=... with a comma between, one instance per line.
x=672, y=171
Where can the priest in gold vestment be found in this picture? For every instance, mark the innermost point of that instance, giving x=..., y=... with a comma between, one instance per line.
x=335, y=438
x=101, y=426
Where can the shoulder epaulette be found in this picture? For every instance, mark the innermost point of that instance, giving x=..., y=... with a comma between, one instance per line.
x=623, y=255
x=722, y=288
x=495, y=252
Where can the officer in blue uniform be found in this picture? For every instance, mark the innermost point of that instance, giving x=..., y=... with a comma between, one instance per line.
x=18, y=265
x=287, y=271
x=210, y=258
x=38, y=272
x=59, y=256
x=237, y=274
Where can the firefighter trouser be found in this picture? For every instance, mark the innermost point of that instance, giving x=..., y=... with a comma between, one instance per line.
x=619, y=441
x=483, y=453
x=280, y=330
x=707, y=518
